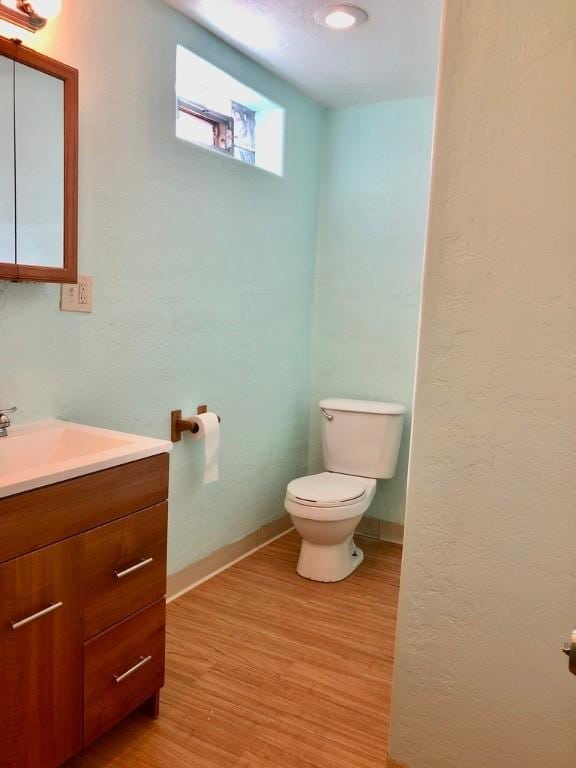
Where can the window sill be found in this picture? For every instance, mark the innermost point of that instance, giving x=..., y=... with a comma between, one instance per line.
x=215, y=152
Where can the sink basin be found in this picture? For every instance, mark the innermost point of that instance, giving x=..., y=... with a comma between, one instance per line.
x=51, y=451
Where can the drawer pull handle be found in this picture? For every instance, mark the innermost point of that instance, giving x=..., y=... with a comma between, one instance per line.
x=133, y=568
x=143, y=661
x=52, y=607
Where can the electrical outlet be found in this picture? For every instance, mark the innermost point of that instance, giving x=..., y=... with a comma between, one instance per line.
x=77, y=297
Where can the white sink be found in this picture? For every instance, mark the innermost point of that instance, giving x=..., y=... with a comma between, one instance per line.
x=51, y=451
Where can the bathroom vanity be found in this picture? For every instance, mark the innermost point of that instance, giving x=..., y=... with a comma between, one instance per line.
x=82, y=588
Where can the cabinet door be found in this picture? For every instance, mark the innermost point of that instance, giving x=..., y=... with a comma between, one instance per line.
x=7, y=188
x=41, y=657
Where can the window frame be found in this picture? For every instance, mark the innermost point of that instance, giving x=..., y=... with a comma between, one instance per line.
x=222, y=125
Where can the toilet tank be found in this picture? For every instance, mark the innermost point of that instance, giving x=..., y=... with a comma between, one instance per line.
x=361, y=437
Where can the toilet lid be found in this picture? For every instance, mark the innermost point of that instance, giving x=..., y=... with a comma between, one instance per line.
x=327, y=489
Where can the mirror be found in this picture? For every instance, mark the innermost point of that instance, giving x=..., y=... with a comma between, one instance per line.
x=7, y=196
x=38, y=166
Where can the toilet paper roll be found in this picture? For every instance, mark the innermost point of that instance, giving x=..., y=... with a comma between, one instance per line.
x=209, y=431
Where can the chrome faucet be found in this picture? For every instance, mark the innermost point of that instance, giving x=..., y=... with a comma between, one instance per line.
x=5, y=420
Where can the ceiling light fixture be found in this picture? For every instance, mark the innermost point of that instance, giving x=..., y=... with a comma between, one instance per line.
x=340, y=16
x=29, y=15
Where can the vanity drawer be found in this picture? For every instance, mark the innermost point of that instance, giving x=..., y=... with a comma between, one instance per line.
x=123, y=667
x=124, y=567
x=43, y=516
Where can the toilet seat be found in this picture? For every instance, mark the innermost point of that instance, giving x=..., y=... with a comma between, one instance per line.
x=326, y=489
x=329, y=496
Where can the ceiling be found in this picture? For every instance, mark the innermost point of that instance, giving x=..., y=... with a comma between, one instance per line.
x=392, y=56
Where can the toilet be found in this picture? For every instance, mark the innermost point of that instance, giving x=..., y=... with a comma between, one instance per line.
x=360, y=444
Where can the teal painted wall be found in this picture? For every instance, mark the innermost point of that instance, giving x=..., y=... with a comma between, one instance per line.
x=373, y=205
x=204, y=273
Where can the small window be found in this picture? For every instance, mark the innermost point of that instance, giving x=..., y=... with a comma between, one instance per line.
x=219, y=112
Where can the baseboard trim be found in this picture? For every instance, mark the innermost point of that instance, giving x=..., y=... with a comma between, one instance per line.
x=393, y=764
x=197, y=573
x=384, y=530
x=392, y=532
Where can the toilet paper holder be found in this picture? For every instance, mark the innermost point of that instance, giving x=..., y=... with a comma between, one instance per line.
x=179, y=425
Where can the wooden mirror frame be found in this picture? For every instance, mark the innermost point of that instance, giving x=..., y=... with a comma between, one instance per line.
x=68, y=273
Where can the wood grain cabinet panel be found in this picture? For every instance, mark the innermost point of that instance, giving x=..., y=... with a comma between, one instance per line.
x=37, y=518
x=123, y=668
x=125, y=567
x=41, y=657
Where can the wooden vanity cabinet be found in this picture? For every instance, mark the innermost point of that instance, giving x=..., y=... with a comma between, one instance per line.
x=82, y=610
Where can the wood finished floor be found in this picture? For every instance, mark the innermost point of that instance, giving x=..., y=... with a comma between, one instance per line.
x=268, y=670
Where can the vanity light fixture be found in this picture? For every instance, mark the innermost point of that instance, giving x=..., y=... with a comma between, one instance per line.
x=340, y=16
x=30, y=15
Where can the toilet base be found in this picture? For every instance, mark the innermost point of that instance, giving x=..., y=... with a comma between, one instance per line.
x=328, y=562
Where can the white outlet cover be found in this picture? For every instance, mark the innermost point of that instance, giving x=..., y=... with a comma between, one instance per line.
x=77, y=297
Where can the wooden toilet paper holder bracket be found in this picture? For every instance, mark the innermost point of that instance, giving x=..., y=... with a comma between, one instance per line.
x=179, y=425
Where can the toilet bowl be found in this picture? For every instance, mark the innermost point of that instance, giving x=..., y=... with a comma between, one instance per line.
x=360, y=444
x=326, y=509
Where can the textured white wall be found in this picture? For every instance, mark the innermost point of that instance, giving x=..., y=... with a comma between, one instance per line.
x=489, y=578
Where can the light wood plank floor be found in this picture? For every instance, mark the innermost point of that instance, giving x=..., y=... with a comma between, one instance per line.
x=268, y=670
